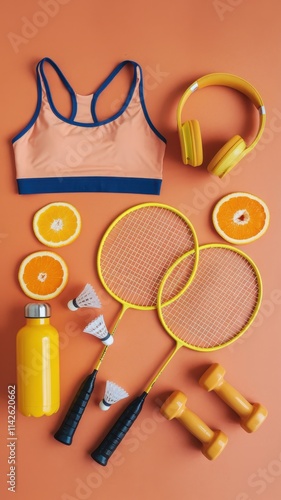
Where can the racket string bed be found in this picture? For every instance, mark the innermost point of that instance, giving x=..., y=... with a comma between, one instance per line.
x=134, y=262
x=212, y=315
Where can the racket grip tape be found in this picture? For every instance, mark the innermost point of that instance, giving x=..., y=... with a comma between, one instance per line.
x=70, y=423
x=114, y=437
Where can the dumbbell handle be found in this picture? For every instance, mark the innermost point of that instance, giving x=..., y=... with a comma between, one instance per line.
x=233, y=398
x=195, y=425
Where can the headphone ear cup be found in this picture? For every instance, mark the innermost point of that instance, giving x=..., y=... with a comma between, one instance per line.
x=191, y=143
x=227, y=157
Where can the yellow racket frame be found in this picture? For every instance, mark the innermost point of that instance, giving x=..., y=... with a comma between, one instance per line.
x=126, y=305
x=181, y=343
x=160, y=306
x=76, y=410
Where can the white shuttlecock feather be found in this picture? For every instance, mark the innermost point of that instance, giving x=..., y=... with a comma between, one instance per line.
x=97, y=327
x=87, y=298
x=113, y=394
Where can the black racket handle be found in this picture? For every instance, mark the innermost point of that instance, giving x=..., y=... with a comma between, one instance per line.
x=70, y=423
x=114, y=437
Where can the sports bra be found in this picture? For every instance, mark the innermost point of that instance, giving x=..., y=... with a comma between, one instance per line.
x=80, y=153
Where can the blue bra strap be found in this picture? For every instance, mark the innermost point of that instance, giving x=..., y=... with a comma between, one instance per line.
x=108, y=80
x=40, y=69
x=147, y=117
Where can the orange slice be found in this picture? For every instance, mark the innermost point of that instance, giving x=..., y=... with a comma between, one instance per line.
x=57, y=224
x=43, y=275
x=241, y=218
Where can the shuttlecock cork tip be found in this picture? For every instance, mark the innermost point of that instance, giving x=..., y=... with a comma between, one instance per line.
x=104, y=406
x=72, y=305
x=108, y=340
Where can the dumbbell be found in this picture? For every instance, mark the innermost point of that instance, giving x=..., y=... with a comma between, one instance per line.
x=213, y=441
x=252, y=414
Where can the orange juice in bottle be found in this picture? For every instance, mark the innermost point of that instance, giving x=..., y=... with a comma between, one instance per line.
x=38, y=381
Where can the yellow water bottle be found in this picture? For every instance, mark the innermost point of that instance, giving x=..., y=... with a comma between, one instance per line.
x=38, y=381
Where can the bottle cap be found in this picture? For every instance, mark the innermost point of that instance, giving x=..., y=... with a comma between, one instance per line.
x=34, y=310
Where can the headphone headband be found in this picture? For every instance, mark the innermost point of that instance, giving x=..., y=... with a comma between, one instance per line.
x=234, y=82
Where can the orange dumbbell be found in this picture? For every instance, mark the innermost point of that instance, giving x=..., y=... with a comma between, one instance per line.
x=213, y=441
x=252, y=415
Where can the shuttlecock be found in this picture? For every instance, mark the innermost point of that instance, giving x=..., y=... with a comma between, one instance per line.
x=113, y=393
x=87, y=298
x=97, y=327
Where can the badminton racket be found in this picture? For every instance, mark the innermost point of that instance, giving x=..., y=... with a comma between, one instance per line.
x=216, y=309
x=133, y=256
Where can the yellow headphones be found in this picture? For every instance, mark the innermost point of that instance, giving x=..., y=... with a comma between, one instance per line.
x=235, y=149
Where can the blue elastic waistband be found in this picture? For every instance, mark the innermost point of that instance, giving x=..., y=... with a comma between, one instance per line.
x=89, y=185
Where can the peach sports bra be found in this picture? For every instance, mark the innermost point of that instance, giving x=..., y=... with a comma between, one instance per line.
x=80, y=153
